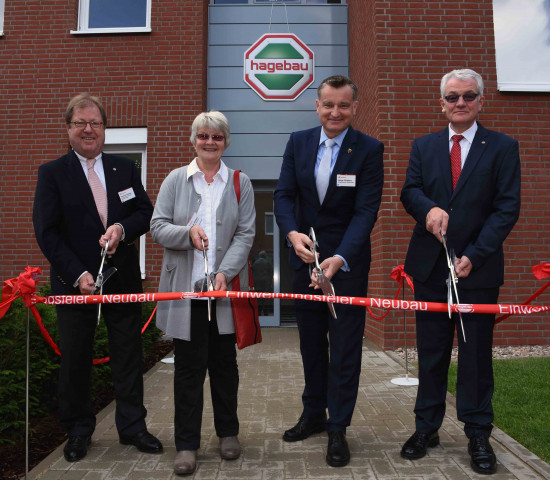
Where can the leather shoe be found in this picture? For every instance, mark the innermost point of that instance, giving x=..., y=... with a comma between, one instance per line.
x=305, y=427
x=338, y=450
x=483, y=459
x=185, y=462
x=76, y=447
x=417, y=446
x=230, y=448
x=143, y=441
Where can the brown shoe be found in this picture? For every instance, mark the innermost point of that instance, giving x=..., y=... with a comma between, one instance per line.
x=185, y=462
x=230, y=448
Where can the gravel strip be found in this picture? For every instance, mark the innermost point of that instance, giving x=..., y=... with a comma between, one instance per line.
x=499, y=352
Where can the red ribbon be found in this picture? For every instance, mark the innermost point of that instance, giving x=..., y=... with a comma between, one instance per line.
x=398, y=274
x=22, y=286
x=542, y=270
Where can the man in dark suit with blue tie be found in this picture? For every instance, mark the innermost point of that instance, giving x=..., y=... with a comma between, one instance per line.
x=462, y=182
x=83, y=200
x=331, y=179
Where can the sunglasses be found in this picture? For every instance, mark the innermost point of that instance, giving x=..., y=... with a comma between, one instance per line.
x=215, y=138
x=467, y=97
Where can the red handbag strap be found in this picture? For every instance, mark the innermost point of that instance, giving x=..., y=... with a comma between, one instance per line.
x=235, y=283
x=237, y=184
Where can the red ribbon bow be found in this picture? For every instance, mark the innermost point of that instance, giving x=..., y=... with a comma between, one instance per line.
x=22, y=286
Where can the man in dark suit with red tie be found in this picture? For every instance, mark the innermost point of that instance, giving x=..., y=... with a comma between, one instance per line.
x=464, y=183
x=83, y=200
x=331, y=179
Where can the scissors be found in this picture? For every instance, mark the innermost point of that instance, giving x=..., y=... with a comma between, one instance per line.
x=452, y=280
x=326, y=286
x=206, y=284
x=102, y=278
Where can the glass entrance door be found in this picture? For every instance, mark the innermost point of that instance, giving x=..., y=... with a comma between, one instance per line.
x=269, y=258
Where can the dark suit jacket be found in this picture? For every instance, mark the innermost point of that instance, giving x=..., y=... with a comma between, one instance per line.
x=344, y=221
x=68, y=227
x=482, y=210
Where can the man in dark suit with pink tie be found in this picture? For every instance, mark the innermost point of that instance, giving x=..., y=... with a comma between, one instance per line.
x=83, y=200
x=462, y=182
x=331, y=179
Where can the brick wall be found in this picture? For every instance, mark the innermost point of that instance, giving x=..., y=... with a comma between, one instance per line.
x=155, y=80
x=399, y=51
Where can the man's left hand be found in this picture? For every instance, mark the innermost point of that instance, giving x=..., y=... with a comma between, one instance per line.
x=113, y=236
x=329, y=267
x=463, y=266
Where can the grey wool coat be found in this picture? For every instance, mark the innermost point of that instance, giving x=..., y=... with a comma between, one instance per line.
x=177, y=201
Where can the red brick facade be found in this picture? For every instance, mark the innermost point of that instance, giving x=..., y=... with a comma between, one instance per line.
x=398, y=53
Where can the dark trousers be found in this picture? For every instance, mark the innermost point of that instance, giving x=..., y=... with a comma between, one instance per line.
x=207, y=350
x=76, y=326
x=331, y=349
x=435, y=335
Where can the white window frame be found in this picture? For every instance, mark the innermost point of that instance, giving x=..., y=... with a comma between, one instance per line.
x=130, y=140
x=2, y=7
x=84, y=18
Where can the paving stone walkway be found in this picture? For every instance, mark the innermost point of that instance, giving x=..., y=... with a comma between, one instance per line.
x=269, y=402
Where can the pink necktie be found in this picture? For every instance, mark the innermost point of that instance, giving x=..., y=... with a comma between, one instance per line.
x=456, y=160
x=100, y=196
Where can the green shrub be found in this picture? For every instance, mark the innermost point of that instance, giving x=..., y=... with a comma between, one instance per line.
x=44, y=365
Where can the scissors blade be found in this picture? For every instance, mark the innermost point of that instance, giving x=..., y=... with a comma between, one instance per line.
x=326, y=286
x=453, y=280
x=99, y=281
x=208, y=280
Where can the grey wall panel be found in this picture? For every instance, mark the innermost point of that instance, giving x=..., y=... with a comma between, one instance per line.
x=271, y=121
x=311, y=34
x=231, y=55
x=257, y=168
x=296, y=14
x=260, y=128
x=247, y=145
x=248, y=100
x=232, y=77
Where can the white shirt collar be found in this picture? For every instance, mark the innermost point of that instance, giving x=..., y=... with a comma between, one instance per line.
x=83, y=159
x=338, y=139
x=468, y=134
x=193, y=168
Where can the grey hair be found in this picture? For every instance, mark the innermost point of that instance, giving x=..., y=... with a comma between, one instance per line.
x=214, y=120
x=464, y=74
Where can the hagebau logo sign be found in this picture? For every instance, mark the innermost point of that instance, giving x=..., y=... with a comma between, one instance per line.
x=279, y=66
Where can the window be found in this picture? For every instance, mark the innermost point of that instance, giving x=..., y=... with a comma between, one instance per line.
x=131, y=143
x=1, y=17
x=108, y=16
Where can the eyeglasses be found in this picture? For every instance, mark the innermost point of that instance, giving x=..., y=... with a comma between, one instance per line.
x=467, y=97
x=215, y=138
x=81, y=124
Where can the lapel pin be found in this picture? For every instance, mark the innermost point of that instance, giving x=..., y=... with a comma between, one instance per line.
x=114, y=169
x=349, y=150
x=483, y=142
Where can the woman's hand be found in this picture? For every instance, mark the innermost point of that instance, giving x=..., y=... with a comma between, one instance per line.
x=197, y=236
x=220, y=283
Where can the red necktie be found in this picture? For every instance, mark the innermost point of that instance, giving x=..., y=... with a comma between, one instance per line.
x=456, y=160
x=100, y=196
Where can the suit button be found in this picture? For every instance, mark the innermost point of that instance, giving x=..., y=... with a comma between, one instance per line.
x=219, y=249
x=219, y=222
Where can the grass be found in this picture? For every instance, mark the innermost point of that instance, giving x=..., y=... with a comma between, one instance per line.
x=521, y=401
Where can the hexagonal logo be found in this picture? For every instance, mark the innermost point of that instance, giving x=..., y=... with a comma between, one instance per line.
x=279, y=66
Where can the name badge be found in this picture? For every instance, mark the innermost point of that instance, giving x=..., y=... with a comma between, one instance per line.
x=345, y=180
x=126, y=195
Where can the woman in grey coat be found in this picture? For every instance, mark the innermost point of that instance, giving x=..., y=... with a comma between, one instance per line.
x=197, y=204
